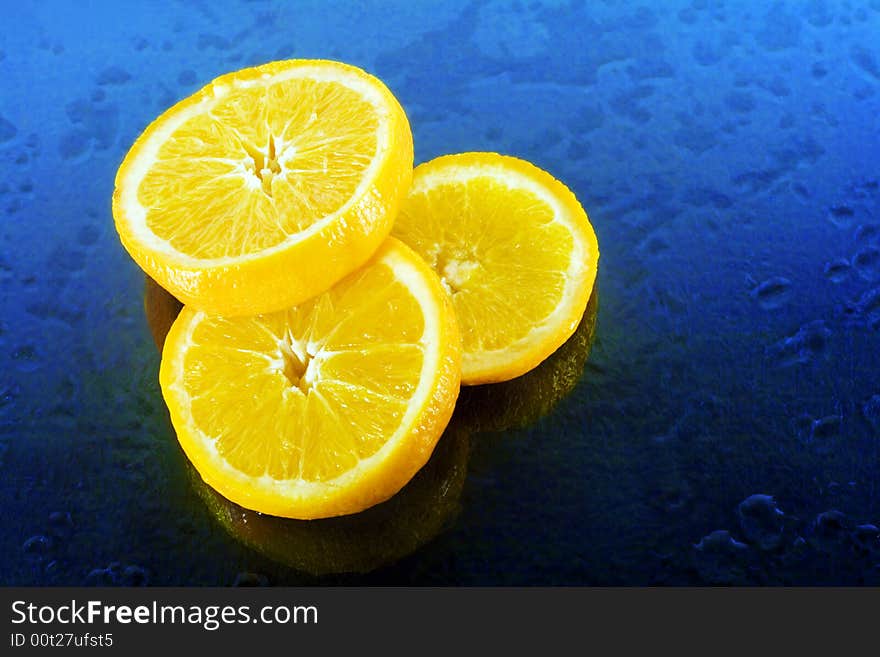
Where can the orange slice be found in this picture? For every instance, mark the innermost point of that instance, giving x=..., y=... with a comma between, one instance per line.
x=515, y=249
x=265, y=187
x=323, y=409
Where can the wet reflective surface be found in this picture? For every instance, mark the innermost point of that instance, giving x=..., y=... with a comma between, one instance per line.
x=715, y=419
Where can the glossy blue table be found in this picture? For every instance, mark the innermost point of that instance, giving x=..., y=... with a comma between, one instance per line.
x=716, y=419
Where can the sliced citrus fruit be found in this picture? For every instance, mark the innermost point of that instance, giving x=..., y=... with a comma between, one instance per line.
x=323, y=409
x=265, y=187
x=515, y=249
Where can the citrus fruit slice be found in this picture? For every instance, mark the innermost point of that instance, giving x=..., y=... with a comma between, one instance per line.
x=359, y=543
x=323, y=409
x=515, y=249
x=265, y=187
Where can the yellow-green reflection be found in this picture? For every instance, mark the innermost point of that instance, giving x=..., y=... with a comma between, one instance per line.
x=520, y=402
x=357, y=543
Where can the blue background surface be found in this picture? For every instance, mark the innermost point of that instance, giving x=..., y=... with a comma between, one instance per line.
x=726, y=428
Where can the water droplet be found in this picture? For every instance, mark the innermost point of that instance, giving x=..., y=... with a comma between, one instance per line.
x=867, y=308
x=829, y=529
x=866, y=540
x=803, y=346
x=113, y=75
x=826, y=427
x=868, y=233
x=761, y=521
x=841, y=215
x=837, y=270
x=73, y=144
x=720, y=558
x=867, y=263
x=88, y=235
x=100, y=577
x=27, y=358
x=773, y=292
x=37, y=546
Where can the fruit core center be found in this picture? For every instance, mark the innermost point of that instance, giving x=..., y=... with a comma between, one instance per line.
x=455, y=273
x=299, y=370
x=263, y=164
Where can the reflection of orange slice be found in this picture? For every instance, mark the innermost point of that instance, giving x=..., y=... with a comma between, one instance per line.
x=514, y=247
x=323, y=409
x=265, y=187
x=365, y=541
